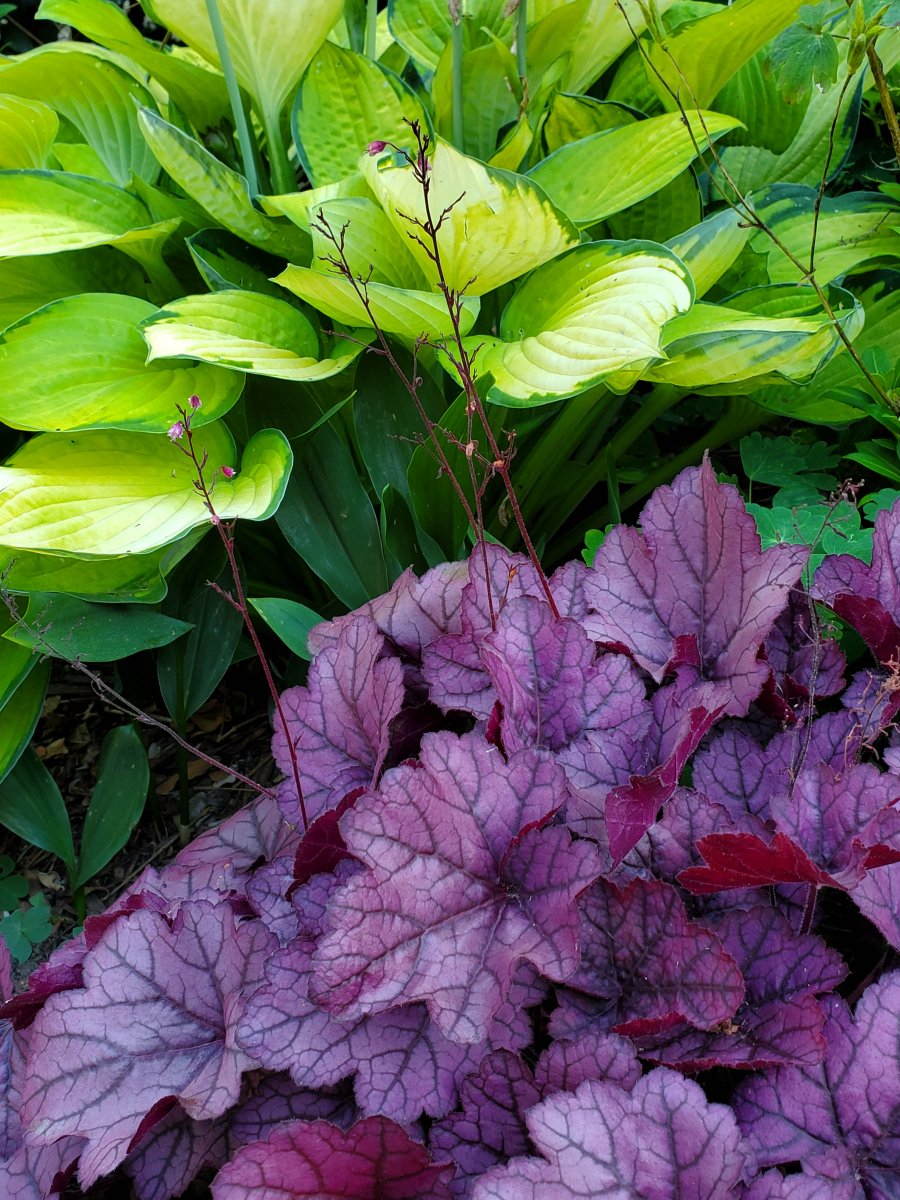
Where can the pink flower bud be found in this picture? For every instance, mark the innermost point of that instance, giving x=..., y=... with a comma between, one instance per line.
x=176, y=432
x=374, y=148
x=228, y=472
x=195, y=402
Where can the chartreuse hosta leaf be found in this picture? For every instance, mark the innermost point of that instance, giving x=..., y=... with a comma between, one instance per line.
x=699, y=59
x=595, y=314
x=609, y=171
x=28, y=283
x=709, y=249
x=777, y=331
x=345, y=101
x=27, y=131
x=247, y=332
x=216, y=188
x=422, y=27
x=95, y=96
x=605, y=34
x=271, y=42
x=199, y=93
x=375, y=250
x=108, y=493
x=92, y=350
x=571, y=118
x=499, y=225
x=490, y=101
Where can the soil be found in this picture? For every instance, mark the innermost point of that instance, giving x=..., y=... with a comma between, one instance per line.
x=232, y=727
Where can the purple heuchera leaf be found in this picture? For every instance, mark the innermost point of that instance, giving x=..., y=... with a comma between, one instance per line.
x=868, y=596
x=780, y=1021
x=772, y=1185
x=661, y=1140
x=174, y=1152
x=491, y=1126
x=339, y=724
x=373, y=1160
x=462, y=884
x=413, y=614
x=651, y=964
x=155, y=1020
x=800, y=658
x=842, y=1117
x=276, y=1099
x=694, y=586
x=878, y=898
x=568, y=1062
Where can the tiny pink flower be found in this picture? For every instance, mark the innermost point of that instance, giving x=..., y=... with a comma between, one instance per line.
x=374, y=148
x=228, y=472
x=176, y=432
x=195, y=402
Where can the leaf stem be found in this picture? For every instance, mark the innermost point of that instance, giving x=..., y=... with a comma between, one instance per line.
x=371, y=29
x=522, y=40
x=457, y=50
x=241, y=124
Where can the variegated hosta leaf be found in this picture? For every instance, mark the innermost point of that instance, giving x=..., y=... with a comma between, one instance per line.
x=344, y=102
x=499, y=225
x=270, y=42
x=27, y=131
x=407, y=313
x=709, y=249
x=373, y=247
x=779, y=331
x=609, y=171
x=95, y=96
x=107, y=493
x=29, y=282
x=247, y=332
x=90, y=347
x=594, y=314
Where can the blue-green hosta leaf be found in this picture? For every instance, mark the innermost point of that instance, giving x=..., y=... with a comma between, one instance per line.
x=409, y=314
x=27, y=131
x=709, y=249
x=93, y=95
x=374, y=248
x=609, y=171
x=28, y=283
x=270, y=42
x=107, y=493
x=422, y=27
x=44, y=212
x=226, y=261
x=593, y=315
x=217, y=189
x=854, y=230
x=246, y=332
x=345, y=102
x=499, y=225
x=776, y=331
x=81, y=363
x=199, y=93
x=708, y=52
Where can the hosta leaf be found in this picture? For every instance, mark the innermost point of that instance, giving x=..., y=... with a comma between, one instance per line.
x=839, y=1118
x=570, y=118
x=766, y=333
x=709, y=249
x=28, y=283
x=664, y=1138
x=374, y=249
x=346, y=101
x=44, y=212
x=226, y=261
x=199, y=93
x=608, y=171
x=309, y=1161
x=247, y=332
x=152, y=1021
x=591, y=315
x=395, y=310
x=728, y=594
x=95, y=96
x=709, y=51
x=422, y=27
x=101, y=494
x=27, y=131
x=216, y=188
x=490, y=87
x=271, y=42
x=464, y=825
x=499, y=227
x=92, y=347
x=609, y=29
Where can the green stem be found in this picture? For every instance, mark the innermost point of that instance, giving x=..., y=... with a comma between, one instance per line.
x=522, y=40
x=371, y=28
x=457, y=51
x=79, y=903
x=283, y=178
x=234, y=95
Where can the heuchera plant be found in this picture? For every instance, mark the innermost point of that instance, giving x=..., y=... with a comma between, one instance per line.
x=599, y=904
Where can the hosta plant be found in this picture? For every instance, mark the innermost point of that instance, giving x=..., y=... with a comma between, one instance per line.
x=603, y=903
